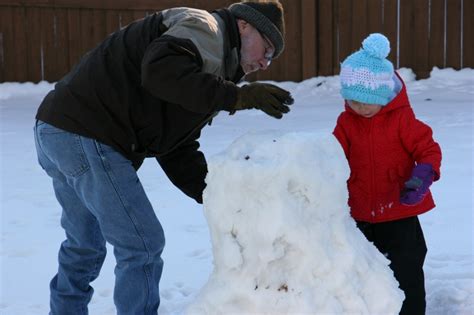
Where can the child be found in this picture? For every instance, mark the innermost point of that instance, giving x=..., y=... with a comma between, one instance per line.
x=393, y=160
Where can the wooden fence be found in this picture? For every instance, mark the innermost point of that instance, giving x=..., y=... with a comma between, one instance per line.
x=43, y=39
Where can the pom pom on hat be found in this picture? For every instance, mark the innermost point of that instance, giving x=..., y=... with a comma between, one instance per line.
x=366, y=75
x=376, y=45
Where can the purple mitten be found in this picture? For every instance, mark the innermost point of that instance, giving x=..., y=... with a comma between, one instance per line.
x=418, y=185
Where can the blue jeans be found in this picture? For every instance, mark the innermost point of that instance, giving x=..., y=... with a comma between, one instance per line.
x=102, y=201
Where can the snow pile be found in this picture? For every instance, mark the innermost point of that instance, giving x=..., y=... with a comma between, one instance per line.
x=451, y=75
x=407, y=75
x=12, y=89
x=283, y=240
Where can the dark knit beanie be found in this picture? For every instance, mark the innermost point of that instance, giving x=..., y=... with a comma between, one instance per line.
x=267, y=17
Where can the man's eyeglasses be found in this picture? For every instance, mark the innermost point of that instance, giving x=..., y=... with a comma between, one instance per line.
x=269, y=50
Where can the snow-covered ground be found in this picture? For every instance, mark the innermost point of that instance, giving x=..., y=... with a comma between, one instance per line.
x=30, y=231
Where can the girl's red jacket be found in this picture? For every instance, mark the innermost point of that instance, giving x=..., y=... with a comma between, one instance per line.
x=382, y=151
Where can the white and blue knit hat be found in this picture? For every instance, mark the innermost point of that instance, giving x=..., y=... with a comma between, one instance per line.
x=366, y=76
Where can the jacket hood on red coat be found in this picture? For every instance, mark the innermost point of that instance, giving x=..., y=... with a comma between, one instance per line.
x=400, y=100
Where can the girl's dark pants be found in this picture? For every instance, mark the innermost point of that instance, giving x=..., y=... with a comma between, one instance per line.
x=403, y=243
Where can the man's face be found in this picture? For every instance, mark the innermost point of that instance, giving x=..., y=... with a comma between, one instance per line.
x=256, y=51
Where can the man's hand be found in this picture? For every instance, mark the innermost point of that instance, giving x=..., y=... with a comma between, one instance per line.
x=269, y=98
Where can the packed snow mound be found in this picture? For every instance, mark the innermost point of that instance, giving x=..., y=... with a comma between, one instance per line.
x=283, y=240
x=13, y=89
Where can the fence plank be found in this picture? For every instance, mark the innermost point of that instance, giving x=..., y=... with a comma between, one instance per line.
x=33, y=55
x=292, y=67
x=49, y=51
x=138, y=14
x=359, y=23
x=61, y=44
x=344, y=21
x=375, y=16
x=335, y=61
x=209, y=5
x=468, y=34
x=325, y=37
x=19, y=45
x=92, y=28
x=390, y=28
x=421, y=34
x=126, y=17
x=316, y=56
x=98, y=27
x=86, y=30
x=436, y=36
x=94, y=4
x=308, y=40
x=407, y=39
x=112, y=21
x=453, y=34
x=75, y=43
x=6, y=53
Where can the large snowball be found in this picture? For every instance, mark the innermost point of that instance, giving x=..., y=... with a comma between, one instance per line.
x=283, y=240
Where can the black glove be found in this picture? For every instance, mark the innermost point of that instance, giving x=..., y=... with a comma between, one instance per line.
x=269, y=98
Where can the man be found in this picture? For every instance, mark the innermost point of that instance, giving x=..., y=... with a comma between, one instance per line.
x=145, y=91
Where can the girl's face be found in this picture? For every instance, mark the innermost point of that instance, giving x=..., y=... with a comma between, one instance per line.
x=365, y=110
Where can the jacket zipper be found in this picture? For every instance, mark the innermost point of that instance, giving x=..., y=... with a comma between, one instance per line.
x=372, y=170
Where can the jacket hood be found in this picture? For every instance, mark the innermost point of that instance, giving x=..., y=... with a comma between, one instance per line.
x=399, y=101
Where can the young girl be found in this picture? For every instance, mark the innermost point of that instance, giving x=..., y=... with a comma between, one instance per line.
x=393, y=160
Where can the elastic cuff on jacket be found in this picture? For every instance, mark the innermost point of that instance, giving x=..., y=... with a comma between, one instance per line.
x=230, y=97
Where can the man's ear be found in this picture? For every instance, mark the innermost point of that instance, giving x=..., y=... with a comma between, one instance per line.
x=243, y=25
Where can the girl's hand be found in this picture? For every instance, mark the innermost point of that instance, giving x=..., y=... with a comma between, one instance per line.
x=417, y=187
